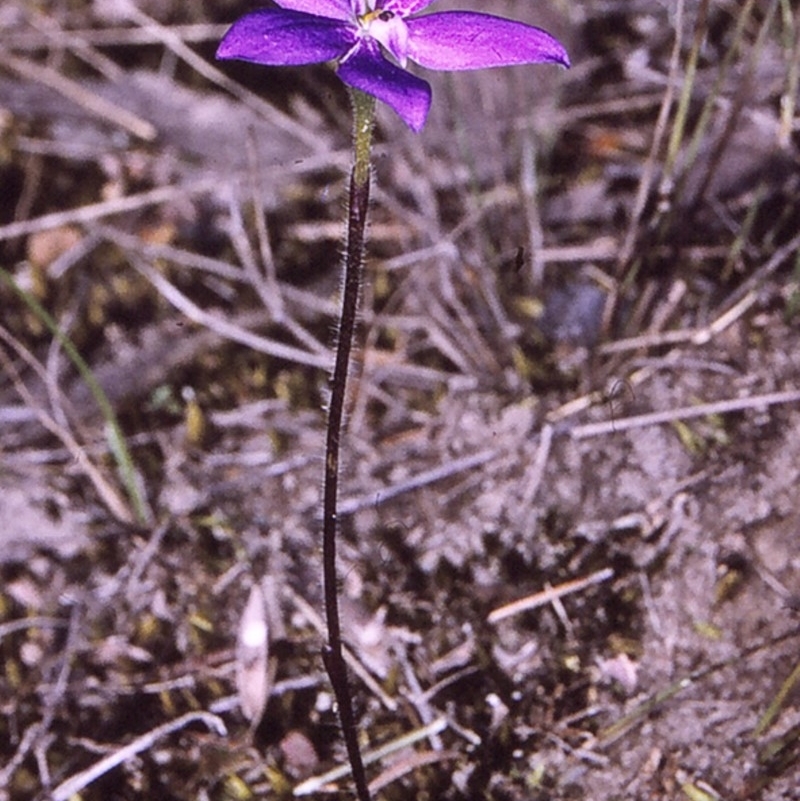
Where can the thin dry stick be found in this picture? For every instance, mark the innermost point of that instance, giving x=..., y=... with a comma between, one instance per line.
x=694, y=336
x=96, y=211
x=312, y=139
x=643, y=711
x=56, y=38
x=109, y=37
x=260, y=218
x=533, y=476
x=112, y=499
x=92, y=102
x=417, y=697
x=792, y=90
x=648, y=174
x=620, y=106
x=529, y=191
x=549, y=595
x=52, y=367
x=416, y=760
x=317, y=783
x=30, y=623
x=603, y=249
x=317, y=622
x=183, y=258
x=466, y=333
x=223, y=327
x=309, y=301
x=79, y=781
x=757, y=279
x=266, y=287
x=684, y=413
x=352, y=505
x=36, y=732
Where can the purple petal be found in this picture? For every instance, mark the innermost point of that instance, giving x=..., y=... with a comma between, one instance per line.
x=464, y=40
x=366, y=69
x=280, y=37
x=404, y=8
x=334, y=9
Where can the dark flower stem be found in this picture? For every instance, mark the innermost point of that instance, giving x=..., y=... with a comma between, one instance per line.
x=363, y=109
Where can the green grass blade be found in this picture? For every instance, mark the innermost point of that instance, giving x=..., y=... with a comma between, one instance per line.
x=114, y=435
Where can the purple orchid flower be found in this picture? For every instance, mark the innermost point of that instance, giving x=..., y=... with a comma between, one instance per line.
x=357, y=32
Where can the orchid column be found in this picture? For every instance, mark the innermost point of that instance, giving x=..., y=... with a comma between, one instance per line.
x=358, y=35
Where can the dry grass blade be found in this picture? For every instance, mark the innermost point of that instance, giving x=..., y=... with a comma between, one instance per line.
x=105, y=37
x=223, y=327
x=405, y=766
x=317, y=783
x=173, y=41
x=109, y=495
x=106, y=111
x=549, y=595
x=80, y=781
x=791, y=24
x=659, y=131
x=672, y=415
x=466, y=463
x=620, y=727
x=782, y=696
x=141, y=511
x=54, y=698
x=107, y=208
x=313, y=617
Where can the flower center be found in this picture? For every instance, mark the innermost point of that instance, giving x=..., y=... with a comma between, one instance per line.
x=378, y=14
x=388, y=29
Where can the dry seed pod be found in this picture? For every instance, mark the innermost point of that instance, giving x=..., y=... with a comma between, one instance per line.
x=252, y=657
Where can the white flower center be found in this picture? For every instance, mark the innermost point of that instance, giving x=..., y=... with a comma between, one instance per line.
x=389, y=30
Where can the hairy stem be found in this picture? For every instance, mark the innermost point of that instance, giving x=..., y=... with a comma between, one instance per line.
x=363, y=107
